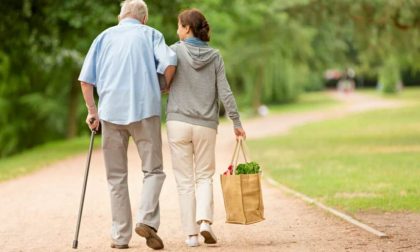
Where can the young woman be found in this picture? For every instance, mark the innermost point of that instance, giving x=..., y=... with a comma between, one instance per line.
x=192, y=119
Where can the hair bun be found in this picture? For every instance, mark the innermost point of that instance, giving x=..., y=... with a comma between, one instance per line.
x=204, y=24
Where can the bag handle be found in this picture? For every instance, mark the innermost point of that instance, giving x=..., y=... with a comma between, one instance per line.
x=234, y=152
x=240, y=147
x=245, y=150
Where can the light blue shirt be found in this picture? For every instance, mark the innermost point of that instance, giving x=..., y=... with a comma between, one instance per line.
x=123, y=62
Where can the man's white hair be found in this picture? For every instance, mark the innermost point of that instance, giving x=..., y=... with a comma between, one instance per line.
x=135, y=9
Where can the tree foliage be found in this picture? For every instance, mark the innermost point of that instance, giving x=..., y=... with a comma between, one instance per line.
x=273, y=50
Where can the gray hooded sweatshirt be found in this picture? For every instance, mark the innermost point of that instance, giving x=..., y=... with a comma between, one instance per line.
x=198, y=85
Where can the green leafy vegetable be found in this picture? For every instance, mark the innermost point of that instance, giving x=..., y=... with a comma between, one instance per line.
x=247, y=168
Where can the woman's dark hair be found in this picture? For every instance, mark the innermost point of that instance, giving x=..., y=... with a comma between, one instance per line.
x=197, y=23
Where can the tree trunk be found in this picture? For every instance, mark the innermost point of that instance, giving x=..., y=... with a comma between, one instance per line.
x=72, y=110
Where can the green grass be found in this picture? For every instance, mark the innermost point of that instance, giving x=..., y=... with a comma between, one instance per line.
x=306, y=102
x=407, y=94
x=38, y=157
x=365, y=162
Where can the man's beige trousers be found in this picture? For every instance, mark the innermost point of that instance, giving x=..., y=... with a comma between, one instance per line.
x=146, y=135
x=193, y=161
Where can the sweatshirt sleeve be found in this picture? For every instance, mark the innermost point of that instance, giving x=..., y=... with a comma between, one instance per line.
x=225, y=94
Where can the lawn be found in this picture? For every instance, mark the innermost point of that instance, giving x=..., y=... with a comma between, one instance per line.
x=306, y=102
x=42, y=156
x=366, y=162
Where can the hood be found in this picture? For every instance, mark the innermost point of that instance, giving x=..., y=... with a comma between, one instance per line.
x=199, y=56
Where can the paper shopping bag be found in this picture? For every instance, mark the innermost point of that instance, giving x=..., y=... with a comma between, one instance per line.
x=242, y=193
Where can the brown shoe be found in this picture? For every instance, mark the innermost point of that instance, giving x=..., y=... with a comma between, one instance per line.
x=116, y=246
x=152, y=239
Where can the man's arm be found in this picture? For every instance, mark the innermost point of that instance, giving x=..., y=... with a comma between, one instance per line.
x=87, y=90
x=169, y=75
x=87, y=79
x=166, y=59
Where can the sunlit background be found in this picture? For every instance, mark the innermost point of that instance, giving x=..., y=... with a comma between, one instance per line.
x=273, y=50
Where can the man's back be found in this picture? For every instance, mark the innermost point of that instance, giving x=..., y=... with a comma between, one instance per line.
x=123, y=63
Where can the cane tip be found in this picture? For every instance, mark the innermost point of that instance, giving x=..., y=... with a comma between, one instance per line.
x=75, y=242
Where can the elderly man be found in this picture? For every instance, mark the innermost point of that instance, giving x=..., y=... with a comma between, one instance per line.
x=123, y=63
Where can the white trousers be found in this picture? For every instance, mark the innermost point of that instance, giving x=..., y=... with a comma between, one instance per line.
x=193, y=162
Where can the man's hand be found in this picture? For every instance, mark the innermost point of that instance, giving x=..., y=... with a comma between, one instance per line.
x=92, y=121
x=240, y=132
x=165, y=91
x=162, y=84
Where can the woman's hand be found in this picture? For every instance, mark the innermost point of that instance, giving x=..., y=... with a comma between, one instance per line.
x=240, y=132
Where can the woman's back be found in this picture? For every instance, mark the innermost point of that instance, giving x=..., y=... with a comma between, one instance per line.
x=194, y=93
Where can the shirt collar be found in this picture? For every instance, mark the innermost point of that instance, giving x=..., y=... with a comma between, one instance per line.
x=129, y=21
x=195, y=41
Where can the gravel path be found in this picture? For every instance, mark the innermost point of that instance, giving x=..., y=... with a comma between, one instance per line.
x=38, y=211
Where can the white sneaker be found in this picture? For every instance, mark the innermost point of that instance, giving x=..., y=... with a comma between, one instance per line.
x=192, y=241
x=207, y=233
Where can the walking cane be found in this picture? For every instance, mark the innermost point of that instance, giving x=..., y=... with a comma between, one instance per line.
x=92, y=138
